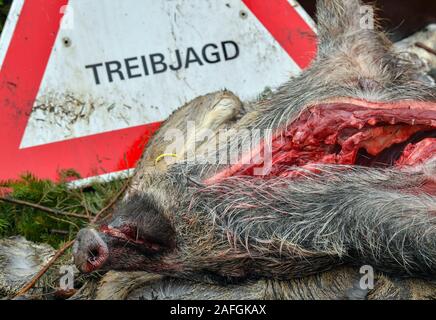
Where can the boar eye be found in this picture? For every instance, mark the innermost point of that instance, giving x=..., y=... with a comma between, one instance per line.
x=140, y=220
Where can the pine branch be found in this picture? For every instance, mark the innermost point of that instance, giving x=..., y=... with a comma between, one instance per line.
x=35, y=279
x=42, y=208
x=112, y=202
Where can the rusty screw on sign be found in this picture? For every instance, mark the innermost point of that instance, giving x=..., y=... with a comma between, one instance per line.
x=243, y=14
x=66, y=41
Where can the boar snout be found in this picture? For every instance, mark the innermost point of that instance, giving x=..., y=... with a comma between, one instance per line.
x=90, y=250
x=138, y=236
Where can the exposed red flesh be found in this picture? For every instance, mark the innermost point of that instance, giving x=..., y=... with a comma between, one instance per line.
x=420, y=152
x=333, y=133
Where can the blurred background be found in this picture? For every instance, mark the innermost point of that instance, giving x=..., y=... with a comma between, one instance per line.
x=4, y=9
x=400, y=17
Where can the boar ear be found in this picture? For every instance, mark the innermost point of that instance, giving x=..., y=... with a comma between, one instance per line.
x=353, y=50
x=347, y=21
x=336, y=17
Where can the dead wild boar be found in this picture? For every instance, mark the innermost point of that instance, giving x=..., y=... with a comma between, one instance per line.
x=343, y=172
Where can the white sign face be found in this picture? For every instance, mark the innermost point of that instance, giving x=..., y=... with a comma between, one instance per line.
x=105, y=66
x=119, y=64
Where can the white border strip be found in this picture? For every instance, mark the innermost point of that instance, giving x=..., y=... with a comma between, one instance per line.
x=9, y=28
x=297, y=6
x=104, y=178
